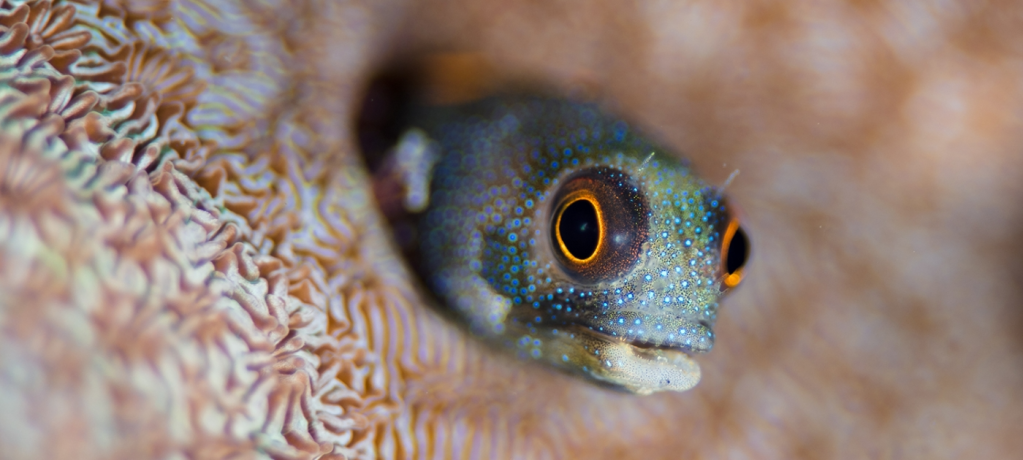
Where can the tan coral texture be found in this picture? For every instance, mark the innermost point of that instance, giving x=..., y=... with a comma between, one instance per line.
x=192, y=264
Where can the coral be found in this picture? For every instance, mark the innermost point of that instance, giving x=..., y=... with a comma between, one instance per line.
x=167, y=325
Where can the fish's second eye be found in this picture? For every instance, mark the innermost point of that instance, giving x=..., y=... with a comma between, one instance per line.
x=734, y=252
x=579, y=228
x=599, y=221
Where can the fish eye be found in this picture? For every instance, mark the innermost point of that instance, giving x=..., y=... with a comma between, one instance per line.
x=579, y=228
x=734, y=253
x=598, y=224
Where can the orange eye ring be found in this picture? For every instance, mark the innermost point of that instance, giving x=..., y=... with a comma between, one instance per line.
x=605, y=219
x=735, y=277
x=569, y=200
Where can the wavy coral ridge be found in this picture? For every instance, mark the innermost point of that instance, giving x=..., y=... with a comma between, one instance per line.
x=162, y=291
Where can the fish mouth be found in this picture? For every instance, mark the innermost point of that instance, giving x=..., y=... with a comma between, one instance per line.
x=646, y=345
x=698, y=341
x=640, y=366
x=650, y=346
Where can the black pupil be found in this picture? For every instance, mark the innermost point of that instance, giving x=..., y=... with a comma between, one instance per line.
x=738, y=249
x=579, y=229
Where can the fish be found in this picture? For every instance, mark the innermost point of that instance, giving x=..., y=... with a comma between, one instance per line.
x=555, y=229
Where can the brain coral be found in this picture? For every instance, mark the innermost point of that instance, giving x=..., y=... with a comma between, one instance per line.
x=159, y=295
x=191, y=265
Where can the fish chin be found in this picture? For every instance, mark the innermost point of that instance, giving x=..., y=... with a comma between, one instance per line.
x=644, y=370
x=631, y=366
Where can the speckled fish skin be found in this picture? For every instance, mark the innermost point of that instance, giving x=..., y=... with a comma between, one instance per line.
x=488, y=253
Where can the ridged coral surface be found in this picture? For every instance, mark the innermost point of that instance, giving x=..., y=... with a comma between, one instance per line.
x=150, y=307
x=192, y=266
